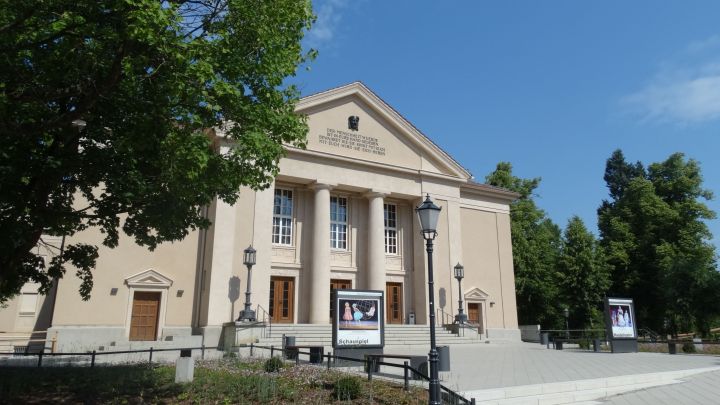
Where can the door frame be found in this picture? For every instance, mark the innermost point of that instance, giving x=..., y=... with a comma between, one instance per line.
x=158, y=296
x=476, y=295
x=402, y=303
x=482, y=306
x=148, y=281
x=292, y=301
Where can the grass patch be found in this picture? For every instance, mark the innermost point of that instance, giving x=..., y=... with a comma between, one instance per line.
x=233, y=381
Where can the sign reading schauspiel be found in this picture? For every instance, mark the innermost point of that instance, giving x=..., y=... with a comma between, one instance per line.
x=358, y=320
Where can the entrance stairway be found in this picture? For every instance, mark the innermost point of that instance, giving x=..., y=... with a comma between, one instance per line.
x=395, y=335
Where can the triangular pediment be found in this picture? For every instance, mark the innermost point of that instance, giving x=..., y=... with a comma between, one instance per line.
x=148, y=278
x=476, y=294
x=381, y=135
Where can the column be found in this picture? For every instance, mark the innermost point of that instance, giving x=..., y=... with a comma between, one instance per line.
x=262, y=242
x=376, y=242
x=320, y=267
x=221, y=261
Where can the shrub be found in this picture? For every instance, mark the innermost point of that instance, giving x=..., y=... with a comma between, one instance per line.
x=273, y=365
x=347, y=388
x=688, y=347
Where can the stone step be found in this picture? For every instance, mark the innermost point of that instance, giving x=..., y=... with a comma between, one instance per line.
x=387, y=332
x=400, y=339
x=395, y=335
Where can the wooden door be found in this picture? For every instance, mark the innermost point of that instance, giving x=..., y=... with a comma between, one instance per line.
x=145, y=314
x=475, y=314
x=394, y=303
x=338, y=284
x=282, y=299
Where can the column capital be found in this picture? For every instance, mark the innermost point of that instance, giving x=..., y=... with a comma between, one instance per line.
x=374, y=193
x=321, y=185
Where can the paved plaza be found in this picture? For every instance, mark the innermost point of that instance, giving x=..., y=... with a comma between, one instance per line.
x=504, y=373
x=697, y=389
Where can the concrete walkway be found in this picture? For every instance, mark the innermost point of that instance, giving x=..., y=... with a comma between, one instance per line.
x=507, y=373
x=698, y=389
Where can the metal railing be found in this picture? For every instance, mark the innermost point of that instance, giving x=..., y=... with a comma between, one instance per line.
x=93, y=354
x=448, y=396
x=579, y=336
x=647, y=332
x=475, y=328
x=444, y=318
x=447, y=320
x=266, y=319
x=576, y=333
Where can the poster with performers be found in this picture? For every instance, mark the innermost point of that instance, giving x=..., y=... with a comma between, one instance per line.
x=620, y=318
x=358, y=318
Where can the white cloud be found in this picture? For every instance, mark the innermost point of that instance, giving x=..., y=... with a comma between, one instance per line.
x=329, y=15
x=703, y=45
x=678, y=97
x=682, y=94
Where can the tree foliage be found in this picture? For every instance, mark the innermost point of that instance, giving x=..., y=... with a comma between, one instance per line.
x=657, y=242
x=105, y=111
x=585, y=276
x=535, y=243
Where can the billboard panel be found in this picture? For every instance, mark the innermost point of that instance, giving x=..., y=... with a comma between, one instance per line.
x=620, y=318
x=358, y=320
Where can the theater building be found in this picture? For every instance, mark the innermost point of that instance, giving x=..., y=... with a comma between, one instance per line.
x=339, y=215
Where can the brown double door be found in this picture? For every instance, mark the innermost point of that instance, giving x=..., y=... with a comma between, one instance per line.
x=282, y=298
x=145, y=314
x=394, y=303
x=475, y=314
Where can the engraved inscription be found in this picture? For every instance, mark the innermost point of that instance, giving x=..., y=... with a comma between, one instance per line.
x=351, y=141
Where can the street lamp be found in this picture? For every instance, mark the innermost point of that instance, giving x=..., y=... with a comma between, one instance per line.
x=460, y=318
x=428, y=214
x=566, y=311
x=248, y=314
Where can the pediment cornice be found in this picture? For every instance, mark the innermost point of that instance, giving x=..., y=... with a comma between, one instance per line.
x=148, y=278
x=476, y=293
x=359, y=91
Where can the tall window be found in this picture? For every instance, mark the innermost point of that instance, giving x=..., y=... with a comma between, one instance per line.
x=390, y=229
x=282, y=217
x=338, y=223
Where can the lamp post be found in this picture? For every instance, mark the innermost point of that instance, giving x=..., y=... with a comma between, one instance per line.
x=566, y=311
x=460, y=318
x=248, y=314
x=428, y=214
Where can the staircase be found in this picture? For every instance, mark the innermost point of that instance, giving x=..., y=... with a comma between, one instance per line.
x=395, y=335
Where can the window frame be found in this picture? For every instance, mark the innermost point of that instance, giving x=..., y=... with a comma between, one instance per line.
x=284, y=221
x=339, y=227
x=391, y=229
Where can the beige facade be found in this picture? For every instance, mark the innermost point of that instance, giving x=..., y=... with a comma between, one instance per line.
x=340, y=212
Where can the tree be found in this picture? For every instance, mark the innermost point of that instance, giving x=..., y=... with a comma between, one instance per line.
x=585, y=274
x=535, y=242
x=106, y=108
x=657, y=244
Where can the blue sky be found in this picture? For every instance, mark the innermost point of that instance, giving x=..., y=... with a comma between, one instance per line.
x=552, y=87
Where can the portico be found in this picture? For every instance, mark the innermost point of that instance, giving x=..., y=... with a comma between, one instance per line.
x=343, y=216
